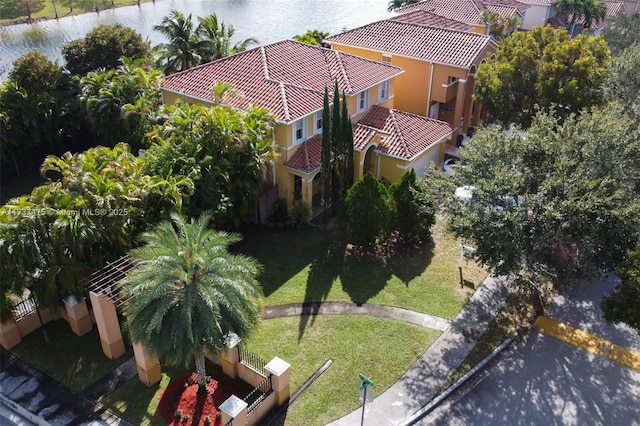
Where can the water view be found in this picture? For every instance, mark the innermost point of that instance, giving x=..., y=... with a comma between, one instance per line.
x=266, y=20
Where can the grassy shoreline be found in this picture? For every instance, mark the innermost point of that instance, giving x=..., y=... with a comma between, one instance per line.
x=63, y=9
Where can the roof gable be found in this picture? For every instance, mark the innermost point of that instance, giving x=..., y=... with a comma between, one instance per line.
x=457, y=48
x=430, y=19
x=287, y=78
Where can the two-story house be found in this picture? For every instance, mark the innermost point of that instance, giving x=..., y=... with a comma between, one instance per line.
x=288, y=79
x=439, y=65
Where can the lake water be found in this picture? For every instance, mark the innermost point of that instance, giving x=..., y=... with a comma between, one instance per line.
x=266, y=20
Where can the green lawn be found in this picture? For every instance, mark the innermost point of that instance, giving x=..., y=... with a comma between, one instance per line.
x=305, y=265
x=379, y=348
x=75, y=361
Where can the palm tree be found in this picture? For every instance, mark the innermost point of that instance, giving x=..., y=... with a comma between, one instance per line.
x=190, y=293
x=216, y=36
x=571, y=7
x=184, y=48
x=594, y=11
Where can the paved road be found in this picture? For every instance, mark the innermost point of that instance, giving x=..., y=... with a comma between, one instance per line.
x=547, y=382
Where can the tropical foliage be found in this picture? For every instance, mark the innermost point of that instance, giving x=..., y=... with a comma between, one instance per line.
x=623, y=84
x=190, y=45
x=88, y=213
x=312, y=37
x=189, y=293
x=623, y=32
x=103, y=48
x=548, y=204
x=542, y=67
x=497, y=25
x=224, y=151
x=584, y=12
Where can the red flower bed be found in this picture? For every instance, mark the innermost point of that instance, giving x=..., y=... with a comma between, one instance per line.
x=181, y=405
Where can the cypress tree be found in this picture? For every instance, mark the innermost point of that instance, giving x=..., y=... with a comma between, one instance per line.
x=325, y=164
x=336, y=148
x=347, y=143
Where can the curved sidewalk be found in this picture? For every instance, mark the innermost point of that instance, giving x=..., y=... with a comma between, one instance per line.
x=423, y=380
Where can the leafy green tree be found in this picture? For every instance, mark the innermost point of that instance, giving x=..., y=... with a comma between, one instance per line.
x=189, y=293
x=222, y=150
x=348, y=151
x=623, y=84
x=367, y=214
x=103, y=48
x=542, y=67
x=549, y=204
x=414, y=207
x=621, y=33
x=337, y=169
x=623, y=305
x=312, y=37
x=34, y=72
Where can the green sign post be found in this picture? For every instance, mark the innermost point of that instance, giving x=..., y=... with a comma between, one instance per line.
x=362, y=391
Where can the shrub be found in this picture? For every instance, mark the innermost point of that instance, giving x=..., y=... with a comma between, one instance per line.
x=367, y=213
x=415, y=211
x=300, y=215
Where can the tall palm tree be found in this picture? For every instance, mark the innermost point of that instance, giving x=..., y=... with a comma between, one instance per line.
x=184, y=48
x=190, y=293
x=216, y=37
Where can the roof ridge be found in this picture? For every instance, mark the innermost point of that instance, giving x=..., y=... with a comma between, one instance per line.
x=285, y=104
x=265, y=63
x=399, y=132
x=343, y=70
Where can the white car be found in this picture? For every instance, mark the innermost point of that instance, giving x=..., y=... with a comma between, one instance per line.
x=449, y=167
x=464, y=193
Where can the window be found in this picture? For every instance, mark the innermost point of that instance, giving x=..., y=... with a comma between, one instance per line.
x=386, y=58
x=299, y=131
x=383, y=91
x=363, y=100
x=317, y=122
x=452, y=79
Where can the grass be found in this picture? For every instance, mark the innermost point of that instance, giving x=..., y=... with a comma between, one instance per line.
x=19, y=187
x=379, y=348
x=45, y=9
x=305, y=265
x=76, y=361
x=346, y=339
x=515, y=316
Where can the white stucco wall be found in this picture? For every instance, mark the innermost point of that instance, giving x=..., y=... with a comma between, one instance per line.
x=537, y=14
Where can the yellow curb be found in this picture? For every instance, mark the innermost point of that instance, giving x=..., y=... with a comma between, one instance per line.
x=589, y=342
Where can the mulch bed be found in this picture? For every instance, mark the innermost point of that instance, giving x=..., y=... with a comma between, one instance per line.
x=181, y=405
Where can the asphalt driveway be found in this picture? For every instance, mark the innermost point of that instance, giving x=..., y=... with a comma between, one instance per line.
x=548, y=382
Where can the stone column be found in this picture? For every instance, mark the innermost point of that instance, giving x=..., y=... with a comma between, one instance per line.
x=149, y=371
x=108, y=325
x=236, y=409
x=229, y=359
x=9, y=334
x=279, y=370
x=79, y=318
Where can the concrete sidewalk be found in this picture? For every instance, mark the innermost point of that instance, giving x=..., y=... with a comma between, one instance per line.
x=421, y=383
x=45, y=401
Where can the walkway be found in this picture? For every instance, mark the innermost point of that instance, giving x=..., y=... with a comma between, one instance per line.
x=30, y=391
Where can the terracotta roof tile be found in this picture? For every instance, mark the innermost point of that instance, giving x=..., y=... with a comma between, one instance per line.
x=539, y=1
x=307, y=157
x=458, y=48
x=468, y=11
x=287, y=78
x=429, y=19
x=403, y=135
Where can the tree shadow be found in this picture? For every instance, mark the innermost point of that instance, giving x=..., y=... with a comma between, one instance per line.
x=283, y=252
x=410, y=259
x=322, y=274
x=363, y=275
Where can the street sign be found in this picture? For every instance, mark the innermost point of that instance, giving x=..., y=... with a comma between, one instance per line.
x=364, y=394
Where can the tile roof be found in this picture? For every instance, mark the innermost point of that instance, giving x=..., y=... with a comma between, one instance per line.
x=613, y=9
x=468, y=11
x=429, y=19
x=287, y=78
x=539, y=1
x=307, y=158
x=403, y=135
x=457, y=48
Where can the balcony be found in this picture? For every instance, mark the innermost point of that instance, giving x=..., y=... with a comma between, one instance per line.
x=444, y=93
